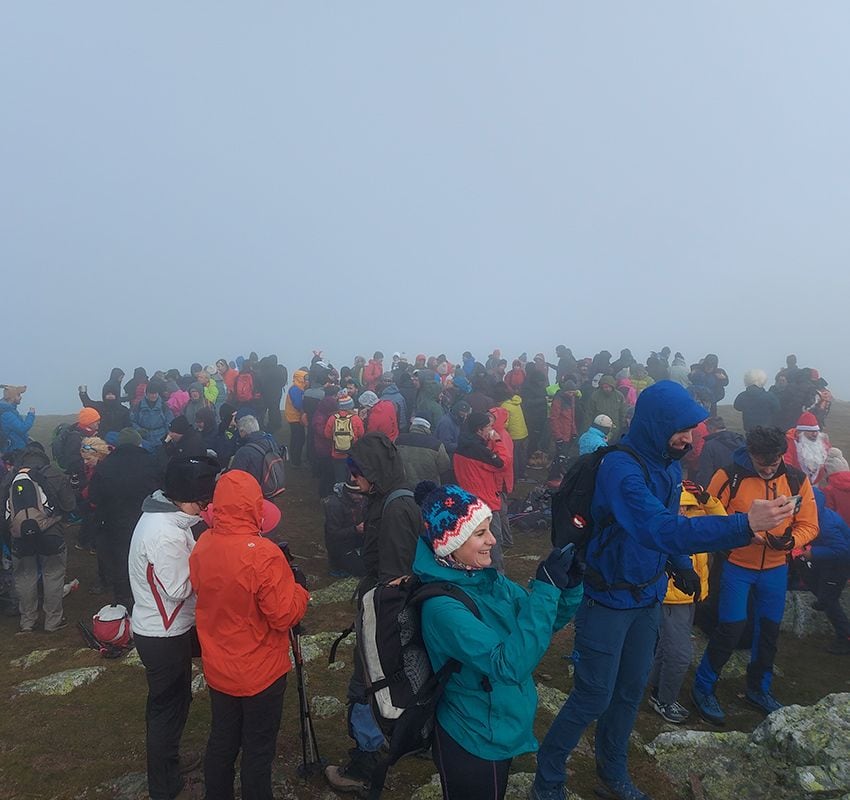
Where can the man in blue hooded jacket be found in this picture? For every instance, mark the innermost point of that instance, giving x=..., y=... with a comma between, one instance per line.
x=641, y=537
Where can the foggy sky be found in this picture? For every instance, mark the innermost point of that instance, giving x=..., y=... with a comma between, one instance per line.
x=184, y=181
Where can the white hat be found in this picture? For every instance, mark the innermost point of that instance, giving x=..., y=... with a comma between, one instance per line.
x=368, y=399
x=603, y=421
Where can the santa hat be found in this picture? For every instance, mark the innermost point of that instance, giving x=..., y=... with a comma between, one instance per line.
x=808, y=422
x=451, y=516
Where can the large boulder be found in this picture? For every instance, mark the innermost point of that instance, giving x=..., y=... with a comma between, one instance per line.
x=797, y=753
x=800, y=619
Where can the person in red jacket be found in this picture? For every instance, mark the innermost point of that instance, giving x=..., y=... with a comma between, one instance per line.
x=516, y=377
x=247, y=602
x=373, y=370
x=379, y=415
x=343, y=429
x=837, y=487
x=479, y=465
x=500, y=422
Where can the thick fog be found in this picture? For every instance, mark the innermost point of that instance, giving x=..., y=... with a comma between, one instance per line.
x=185, y=181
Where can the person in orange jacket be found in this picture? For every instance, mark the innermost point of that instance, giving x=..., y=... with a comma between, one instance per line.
x=675, y=649
x=758, y=471
x=247, y=602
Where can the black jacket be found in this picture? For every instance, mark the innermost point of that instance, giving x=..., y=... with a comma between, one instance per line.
x=119, y=485
x=344, y=511
x=113, y=415
x=716, y=452
x=389, y=537
x=758, y=407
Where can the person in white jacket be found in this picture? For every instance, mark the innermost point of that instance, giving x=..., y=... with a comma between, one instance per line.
x=164, y=612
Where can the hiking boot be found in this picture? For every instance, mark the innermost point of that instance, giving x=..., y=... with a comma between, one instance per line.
x=619, y=790
x=671, y=712
x=356, y=775
x=536, y=793
x=763, y=701
x=22, y=631
x=708, y=707
x=839, y=647
x=63, y=623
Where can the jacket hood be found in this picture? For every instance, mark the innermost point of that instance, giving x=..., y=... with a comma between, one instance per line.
x=500, y=417
x=390, y=388
x=158, y=503
x=839, y=480
x=514, y=400
x=34, y=457
x=379, y=461
x=426, y=566
x=238, y=502
x=299, y=378
x=662, y=409
x=431, y=390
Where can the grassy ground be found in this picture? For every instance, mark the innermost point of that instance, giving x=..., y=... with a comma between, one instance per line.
x=73, y=746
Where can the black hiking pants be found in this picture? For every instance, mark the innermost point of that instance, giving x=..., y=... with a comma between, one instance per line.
x=250, y=724
x=827, y=580
x=168, y=668
x=465, y=776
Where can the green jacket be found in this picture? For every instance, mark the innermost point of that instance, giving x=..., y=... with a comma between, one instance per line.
x=504, y=646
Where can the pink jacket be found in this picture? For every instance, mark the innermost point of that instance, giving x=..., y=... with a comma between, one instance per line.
x=177, y=402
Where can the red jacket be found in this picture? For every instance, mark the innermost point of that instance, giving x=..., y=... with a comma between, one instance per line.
x=515, y=379
x=382, y=417
x=691, y=460
x=837, y=491
x=482, y=480
x=356, y=429
x=247, y=599
x=500, y=416
x=372, y=374
x=562, y=418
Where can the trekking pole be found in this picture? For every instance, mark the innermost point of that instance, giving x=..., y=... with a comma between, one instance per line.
x=311, y=762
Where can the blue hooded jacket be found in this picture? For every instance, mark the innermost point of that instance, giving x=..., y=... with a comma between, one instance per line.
x=14, y=429
x=648, y=530
x=833, y=542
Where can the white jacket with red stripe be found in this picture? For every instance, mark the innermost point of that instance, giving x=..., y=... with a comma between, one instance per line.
x=164, y=603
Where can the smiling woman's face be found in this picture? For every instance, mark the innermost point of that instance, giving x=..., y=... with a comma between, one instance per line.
x=475, y=551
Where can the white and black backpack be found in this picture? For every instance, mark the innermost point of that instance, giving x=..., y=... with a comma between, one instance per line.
x=29, y=511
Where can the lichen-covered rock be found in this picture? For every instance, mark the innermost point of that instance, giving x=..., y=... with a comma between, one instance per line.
x=735, y=667
x=550, y=699
x=336, y=666
x=60, y=683
x=326, y=706
x=319, y=644
x=35, y=657
x=199, y=684
x=800, y=619
x=338, y=592
x=132, y=659
x=133, y=786
x=797, y=753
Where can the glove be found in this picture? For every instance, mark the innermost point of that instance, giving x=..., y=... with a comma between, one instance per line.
x=687, y=581
x=697, y=491
x=784, y=542
x=555, y=568
x=300, y=577
x=576, y=573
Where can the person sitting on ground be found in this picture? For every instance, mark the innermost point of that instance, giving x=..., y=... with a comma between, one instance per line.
x=38, y=556
x=472, y=749
x=379, y=415
x=828, y=562
x=113, y=415
x=423, y=454
x=344, y=514
x=675, y=649
x=596, y=435
x=808, y=447
x=758, y=406
x=248, y=601
x=164, y=612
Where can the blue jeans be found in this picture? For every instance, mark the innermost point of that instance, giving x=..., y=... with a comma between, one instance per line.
x=769, y=587
x=612, y=654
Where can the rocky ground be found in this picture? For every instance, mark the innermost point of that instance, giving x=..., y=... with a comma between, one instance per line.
x=73, y=725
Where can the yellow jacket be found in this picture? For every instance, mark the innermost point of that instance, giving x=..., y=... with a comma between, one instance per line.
x=691, y=507
x=517, y=429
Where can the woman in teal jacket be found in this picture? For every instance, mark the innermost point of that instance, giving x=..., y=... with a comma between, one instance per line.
x=486, y=714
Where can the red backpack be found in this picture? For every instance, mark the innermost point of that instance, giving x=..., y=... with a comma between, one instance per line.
x=244, y=387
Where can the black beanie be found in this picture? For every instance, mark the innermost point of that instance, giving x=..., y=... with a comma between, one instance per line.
x=476, y=421
x=180, y=425
x=191, y=480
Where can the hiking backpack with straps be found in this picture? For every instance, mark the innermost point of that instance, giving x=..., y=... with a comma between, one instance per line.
x=57, y=444
x=402, y=688
x=273, y=479
x=343, y=433
x=735, y=474
x=243, y=387
x=29, y=512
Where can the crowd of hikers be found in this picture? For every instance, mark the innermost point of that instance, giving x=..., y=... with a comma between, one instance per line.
x=660, y=515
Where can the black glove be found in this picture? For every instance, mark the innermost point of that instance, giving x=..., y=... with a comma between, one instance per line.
x=555, y=568
x=784, y=542
x=300, y=577
x=576, y=573
x=688, y=581
x=697, y=491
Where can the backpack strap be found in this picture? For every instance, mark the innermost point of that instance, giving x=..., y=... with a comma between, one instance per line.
x=394, y=495
x=795, y=478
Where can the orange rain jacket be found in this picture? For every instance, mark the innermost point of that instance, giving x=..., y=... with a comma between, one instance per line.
x=752, y=486
x=247, y=598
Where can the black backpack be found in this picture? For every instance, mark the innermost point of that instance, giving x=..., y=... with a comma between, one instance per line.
x=57, y=444
x=273, y=479
x=572, y=520
x=402, y=688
